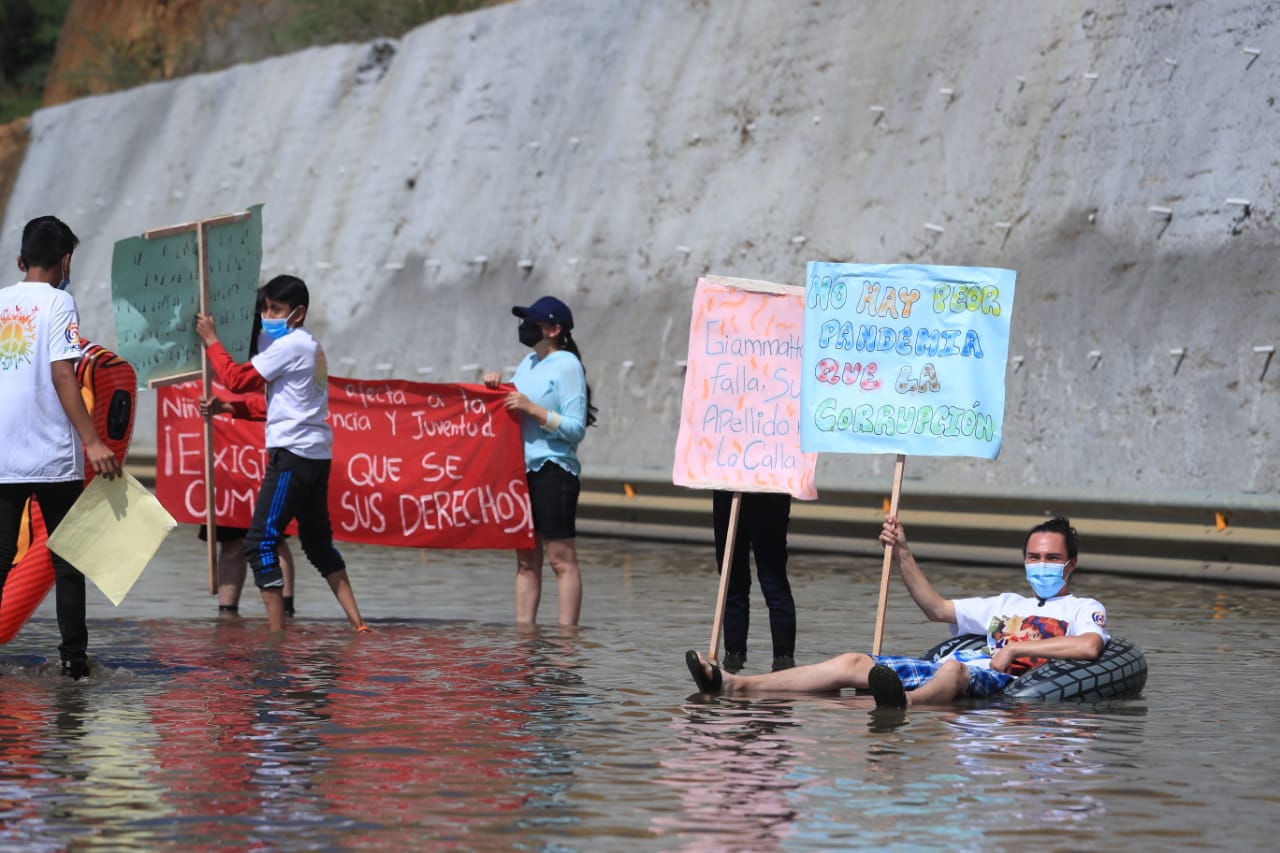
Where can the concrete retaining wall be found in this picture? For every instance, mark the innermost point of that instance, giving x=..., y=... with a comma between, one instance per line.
x=625, y=148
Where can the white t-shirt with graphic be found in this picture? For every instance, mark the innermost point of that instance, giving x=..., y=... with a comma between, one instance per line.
x=38, y=326
x=1011, y=618
x=297, y=394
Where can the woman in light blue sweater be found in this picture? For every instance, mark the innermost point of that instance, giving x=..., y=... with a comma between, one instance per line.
x=554, y=401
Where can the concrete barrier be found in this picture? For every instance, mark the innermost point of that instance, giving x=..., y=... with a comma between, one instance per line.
x=1174, y=538
x=1213, y=539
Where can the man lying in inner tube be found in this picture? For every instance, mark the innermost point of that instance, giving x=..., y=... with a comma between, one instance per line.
x=1022, y=632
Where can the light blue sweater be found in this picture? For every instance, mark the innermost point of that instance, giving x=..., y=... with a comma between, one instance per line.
x=558, y=384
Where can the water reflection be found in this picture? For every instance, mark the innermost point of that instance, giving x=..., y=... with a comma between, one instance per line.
x=246, y=719
x=264, y=738
x=69, y=765
x=549, y=700
x=733, y=765
x=449, y=728
x=756, y=775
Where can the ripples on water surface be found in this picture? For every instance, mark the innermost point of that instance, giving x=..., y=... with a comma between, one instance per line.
x=448, y=728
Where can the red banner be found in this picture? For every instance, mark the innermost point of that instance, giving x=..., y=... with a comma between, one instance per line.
x=414, y=464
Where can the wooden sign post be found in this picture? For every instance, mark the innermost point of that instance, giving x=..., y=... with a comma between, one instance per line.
x=201, y=227
x=894, y=497
x=730, y=542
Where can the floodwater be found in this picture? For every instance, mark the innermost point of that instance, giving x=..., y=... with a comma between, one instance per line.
x=448, y=728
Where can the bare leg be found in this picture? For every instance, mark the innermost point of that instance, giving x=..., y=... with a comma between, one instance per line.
x=829, y=676
x=951, y=680
x=231, y=571
x=563, y=556
x=273, y=598
x=528, y=582
x=341, y=586
x=285, y=556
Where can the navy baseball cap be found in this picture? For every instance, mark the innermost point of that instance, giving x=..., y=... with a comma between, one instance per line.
x=547, y=310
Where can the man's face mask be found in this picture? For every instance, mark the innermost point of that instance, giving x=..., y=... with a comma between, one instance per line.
x=530, y=333
x=1046, y=578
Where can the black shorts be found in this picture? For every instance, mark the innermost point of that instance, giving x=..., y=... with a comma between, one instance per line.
x=553, y=493
x=223, y=534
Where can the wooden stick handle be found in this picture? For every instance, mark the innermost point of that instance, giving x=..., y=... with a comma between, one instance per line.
x=730, y=539
x=170, y=230
x=898, y=468
x=160, y=382
x=206, y=388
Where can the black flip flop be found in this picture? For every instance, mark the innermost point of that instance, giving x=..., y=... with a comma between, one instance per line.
x=706, y=683
x=886, y=687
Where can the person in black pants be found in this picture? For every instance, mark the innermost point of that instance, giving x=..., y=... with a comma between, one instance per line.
x=762, y=526
x=48, y=434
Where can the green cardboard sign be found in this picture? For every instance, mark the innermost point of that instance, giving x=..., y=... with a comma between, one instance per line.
x=155, y=292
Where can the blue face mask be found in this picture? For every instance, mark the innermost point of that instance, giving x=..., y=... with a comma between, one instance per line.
x=64, y=284
x=277, y=328
x=1046, y=578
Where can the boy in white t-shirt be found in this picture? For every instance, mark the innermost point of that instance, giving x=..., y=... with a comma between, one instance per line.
x=43, y=418
x=290, y=364
x=1022, y=632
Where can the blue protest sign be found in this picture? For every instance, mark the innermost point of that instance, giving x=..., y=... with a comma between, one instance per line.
x=905, y=359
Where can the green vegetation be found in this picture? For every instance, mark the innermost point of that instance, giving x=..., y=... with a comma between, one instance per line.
x=111, y=64
x=313, y=22
x=29, y=32
x=28, y=37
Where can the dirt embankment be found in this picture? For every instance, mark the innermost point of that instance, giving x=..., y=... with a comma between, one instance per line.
x=106, y=45
x=113, y=44
x=13, y=146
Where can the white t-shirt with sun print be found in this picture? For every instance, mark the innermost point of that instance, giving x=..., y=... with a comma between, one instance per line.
x=38, y=326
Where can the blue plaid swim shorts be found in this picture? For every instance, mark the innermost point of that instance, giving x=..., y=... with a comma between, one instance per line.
x=914, y=672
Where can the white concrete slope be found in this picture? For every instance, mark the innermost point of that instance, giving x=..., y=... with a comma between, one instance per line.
x=610, y=151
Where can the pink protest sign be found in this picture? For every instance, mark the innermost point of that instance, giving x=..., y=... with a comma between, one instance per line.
x=740, y=415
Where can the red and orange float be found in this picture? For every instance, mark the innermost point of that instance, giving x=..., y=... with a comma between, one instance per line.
x=108, y=384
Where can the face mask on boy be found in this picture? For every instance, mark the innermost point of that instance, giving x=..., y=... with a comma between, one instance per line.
x=530, y=333
x=277, y=327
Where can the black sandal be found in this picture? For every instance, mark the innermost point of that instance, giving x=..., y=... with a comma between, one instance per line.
x=886, y=687
x=706, y=683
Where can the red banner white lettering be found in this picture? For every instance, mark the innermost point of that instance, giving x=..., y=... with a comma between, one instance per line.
x=414, y=464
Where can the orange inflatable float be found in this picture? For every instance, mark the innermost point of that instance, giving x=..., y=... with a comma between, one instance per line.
x=108, y=384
